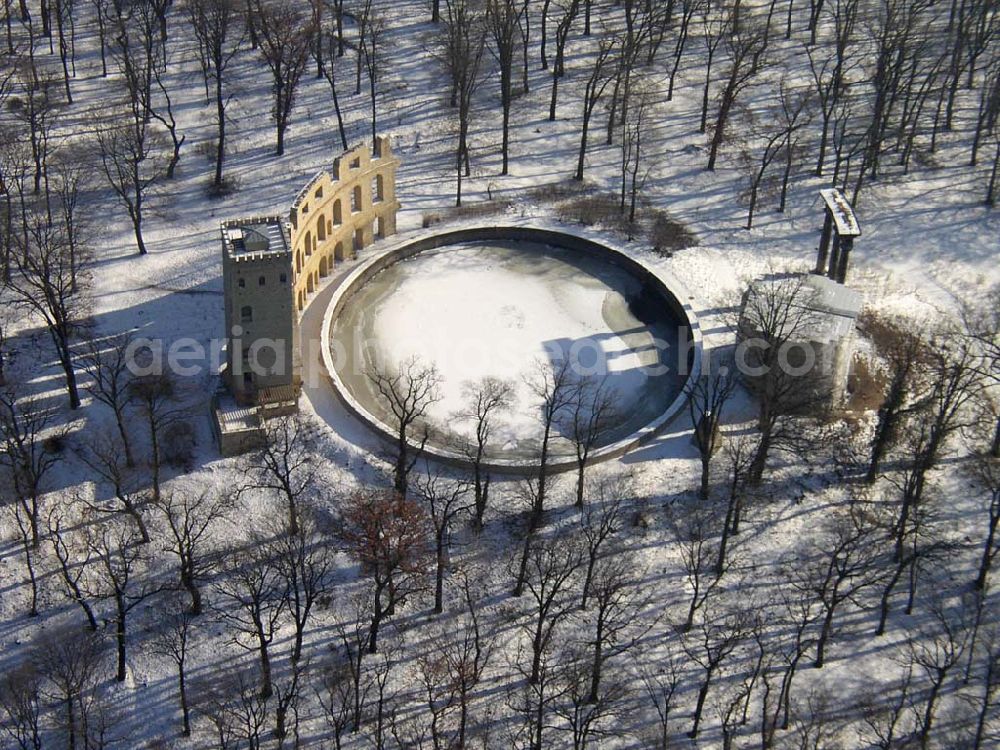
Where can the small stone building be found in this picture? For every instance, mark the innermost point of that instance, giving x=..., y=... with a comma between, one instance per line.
x=823, y=315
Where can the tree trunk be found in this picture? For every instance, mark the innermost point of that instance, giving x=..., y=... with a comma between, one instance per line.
x=120, y=641
x=185, y=710
x=700, y=705
x=824, y=636
x=62, y=343
x=220, y=114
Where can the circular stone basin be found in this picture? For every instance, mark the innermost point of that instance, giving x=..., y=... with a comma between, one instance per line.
x=511, y=309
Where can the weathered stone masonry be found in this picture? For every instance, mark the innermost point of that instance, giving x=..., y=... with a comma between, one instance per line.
x=339, y=212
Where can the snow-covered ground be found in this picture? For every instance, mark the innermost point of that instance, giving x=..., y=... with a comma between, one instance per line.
x=928, y=245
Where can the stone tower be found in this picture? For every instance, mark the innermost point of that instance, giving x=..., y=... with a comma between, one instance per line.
x=262, y=352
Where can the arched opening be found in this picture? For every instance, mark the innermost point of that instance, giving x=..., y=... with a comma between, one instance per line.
x=324, y=265
x=308, y=243
x=338, y=252
x=298, y=262
x=321, y=229
x=246, y=314
x=380, y=227
x=356, y=199
x=310, y=286
x=359, y=239
x=338, y=216
x=378, y=189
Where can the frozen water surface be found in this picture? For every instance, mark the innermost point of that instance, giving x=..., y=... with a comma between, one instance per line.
x=506, y=309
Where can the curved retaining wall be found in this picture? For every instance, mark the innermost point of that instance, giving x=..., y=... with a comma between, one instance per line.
x=409, y=245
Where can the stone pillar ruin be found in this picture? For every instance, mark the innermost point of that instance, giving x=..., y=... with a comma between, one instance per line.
x=841, y=226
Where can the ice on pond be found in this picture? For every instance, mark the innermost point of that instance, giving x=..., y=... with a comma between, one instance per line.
x=505, y=309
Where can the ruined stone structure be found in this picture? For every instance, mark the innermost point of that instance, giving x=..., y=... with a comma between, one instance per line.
x=826, y=326
x=339, y=212
x=840, y=225
x=270, y=266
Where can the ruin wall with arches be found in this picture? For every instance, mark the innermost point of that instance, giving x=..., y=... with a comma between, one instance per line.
x=341, y=211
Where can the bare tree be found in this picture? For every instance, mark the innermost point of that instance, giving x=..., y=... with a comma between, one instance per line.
x=775, y=315
x=24, y=459
x=23, y=524
x=103, y=455
x=955, y=381
x=716, y=638
x=464, y=42
x=504, y=19
x=937, y=653
x=218, y=30
x=22, y=704
x=688, y=9
x=986, y=473
x=107, y=363
x=444, y=500
x=43, y=281
x=335, y=693
x=285, y=34
x=839, y=567
x=486, y=399
x=716, y=26
x=905, y=352
x=830, y=65
x=593, y=414
x=71, y=177
x=781, y=129
x=156, y=399
x=353, y=634
x=330, y=73
x=553, y=387
x=661, y=686
x=746, y=46
x=130, y=164
x=287, y=696
x=284, y=464
x=304, y=560
x=602, y=72
x=117, y=573
x=190, y=518
x=406, y=392
x=600, y=521
x=616, y=625
x=68, y=659
x=707, y=397
x=569, y=9
x=466, y=659
x=371, y=31
x=73, y=558
x=989, y=658
x=174, y=642
x=552, y=566
x=388, y=535
x=588, y=719
x=253, y=596
x=694, y=530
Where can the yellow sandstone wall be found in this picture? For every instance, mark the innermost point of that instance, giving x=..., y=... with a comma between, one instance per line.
x=340, y=212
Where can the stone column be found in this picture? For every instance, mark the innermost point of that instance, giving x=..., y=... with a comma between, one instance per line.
x=834, y=258
x=824, y=244
x=846, y=246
